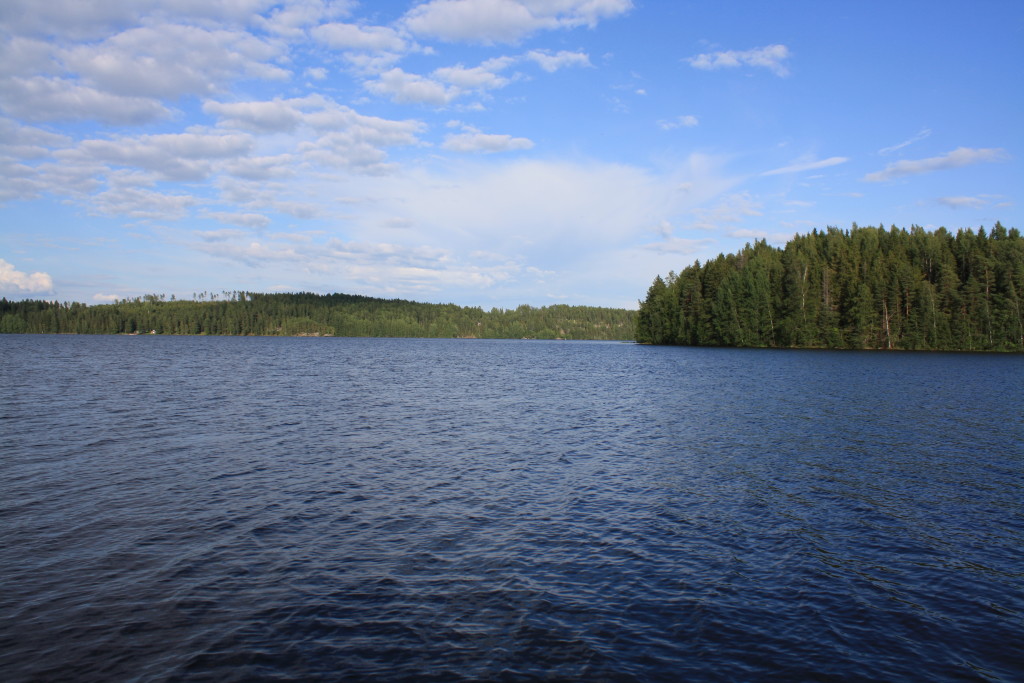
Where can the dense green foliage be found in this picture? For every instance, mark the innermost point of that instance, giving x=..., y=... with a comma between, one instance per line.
x=866, y=288
x=246, y=313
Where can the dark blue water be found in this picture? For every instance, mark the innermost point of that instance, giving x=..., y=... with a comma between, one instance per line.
x=391, y=509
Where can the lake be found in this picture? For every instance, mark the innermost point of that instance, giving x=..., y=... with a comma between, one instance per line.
x=225, y=508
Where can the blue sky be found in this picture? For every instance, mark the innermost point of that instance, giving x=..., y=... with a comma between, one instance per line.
x=484, y=152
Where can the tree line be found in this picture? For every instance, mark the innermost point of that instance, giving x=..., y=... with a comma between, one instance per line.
x=307, y=314
x=863, y=288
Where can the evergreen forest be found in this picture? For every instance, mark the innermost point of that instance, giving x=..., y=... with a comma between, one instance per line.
x=305, y=314
x=863, y=288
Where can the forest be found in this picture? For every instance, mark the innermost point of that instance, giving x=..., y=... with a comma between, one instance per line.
x=305, y=314
x=863, y=288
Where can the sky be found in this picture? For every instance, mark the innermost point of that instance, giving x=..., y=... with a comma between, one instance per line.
x=484, y=152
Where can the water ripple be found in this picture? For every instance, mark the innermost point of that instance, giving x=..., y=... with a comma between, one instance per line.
x=316, y=509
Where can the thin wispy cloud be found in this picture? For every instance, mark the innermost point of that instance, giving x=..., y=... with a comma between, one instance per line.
x=687, y=121
x=906, y=143
x=807, y=166
x=962, y=202
x=958, y=158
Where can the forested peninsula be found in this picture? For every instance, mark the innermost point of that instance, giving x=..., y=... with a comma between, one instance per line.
x=304, y=314
x=865, y=288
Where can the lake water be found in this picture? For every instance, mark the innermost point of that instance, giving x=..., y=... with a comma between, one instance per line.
x=195, y=508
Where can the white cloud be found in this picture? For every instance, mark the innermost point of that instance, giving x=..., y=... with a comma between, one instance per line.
x=18, y=181
x=357, y=142
x=295, y=15
x=27, y=142
x=687, y=121
x=56, y=99
x=475, y=141
x=961, y=156
x=483, y=77
x=801, y=166
x=406, y=88
x=535, y=206
x=246, y=220
x=505, y=21
x=920, y=136
x=12, y=280
x=369, y=63
x=769, y=57
x=353, y=37
x=172, y=60
x=106, y=298
x=372, y=266
x=343, y=137
x=221, y=235
x=554, y=62
x=20, y=56
x=962, y=202
x=142, y=203
x=73, y=19
x=261, y=117
x=180, y=156
x=70, y=18
x=261, y=168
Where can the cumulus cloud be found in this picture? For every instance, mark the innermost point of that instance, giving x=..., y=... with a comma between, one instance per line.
x=475, y=141
x=293, y=16
x=357, y=142
x=342, y=136
x=354, y=37
x=142, y=203
x=505, y=21
x=483, y=77
x=261, y=168
x=41, y=98
x=771, y=57
x=70, y=18
x=961, y=156
x=106, y=298
x=21, y=56
x=172, y=60
x=246, y=220
x=801, y=166
x=26, y=142
x=407, y=88
x=220, y=235
x=259, y=117
x=553, y=62
x=12, y=280
x=172, y=156
x=73, y=19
